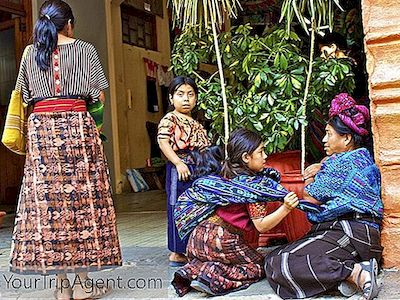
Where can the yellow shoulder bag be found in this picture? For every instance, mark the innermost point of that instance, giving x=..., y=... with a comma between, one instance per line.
x=15, y=126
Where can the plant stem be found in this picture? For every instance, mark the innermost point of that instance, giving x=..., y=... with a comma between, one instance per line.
x=310, y=68
x=223, y=94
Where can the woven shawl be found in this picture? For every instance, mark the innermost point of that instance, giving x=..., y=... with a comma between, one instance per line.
x=199, y=201
x=347, y=182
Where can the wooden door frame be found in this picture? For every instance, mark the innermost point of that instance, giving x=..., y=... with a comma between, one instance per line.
x=23, y=24
x=112, y=13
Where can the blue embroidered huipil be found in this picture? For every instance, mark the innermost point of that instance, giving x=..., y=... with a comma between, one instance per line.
x=199, y=201
x=348, y=182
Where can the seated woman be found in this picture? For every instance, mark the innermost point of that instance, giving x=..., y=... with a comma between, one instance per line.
x=343, y=246
x=221, y=210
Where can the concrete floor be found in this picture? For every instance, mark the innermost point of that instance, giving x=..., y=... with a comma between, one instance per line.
x=141, y=219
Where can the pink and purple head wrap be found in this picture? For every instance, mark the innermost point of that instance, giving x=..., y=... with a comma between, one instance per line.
x=352, y=115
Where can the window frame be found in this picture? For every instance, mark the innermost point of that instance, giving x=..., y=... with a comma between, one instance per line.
x=126, y=13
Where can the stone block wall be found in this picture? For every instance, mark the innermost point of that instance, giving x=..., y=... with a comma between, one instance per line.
x=381, y=20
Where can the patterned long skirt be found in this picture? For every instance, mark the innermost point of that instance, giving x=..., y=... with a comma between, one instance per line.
x=322, y=259
x=65, y=220
x=220, y=259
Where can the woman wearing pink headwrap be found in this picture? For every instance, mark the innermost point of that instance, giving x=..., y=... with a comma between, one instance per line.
x=342, y=249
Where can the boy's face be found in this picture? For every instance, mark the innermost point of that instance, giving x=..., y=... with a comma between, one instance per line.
x=328, y=51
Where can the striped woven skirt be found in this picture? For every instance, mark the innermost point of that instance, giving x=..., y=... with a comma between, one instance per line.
x=319, y=261
x=219, y=259
x=65, y=220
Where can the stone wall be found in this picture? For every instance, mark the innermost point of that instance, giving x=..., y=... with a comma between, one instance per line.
x=381, y=20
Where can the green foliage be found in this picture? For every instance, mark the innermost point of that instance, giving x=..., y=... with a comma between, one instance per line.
x=265, y=81
x=322, y=11
x=330, y=77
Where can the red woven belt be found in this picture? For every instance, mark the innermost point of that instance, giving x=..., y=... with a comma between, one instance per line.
x=49, y=105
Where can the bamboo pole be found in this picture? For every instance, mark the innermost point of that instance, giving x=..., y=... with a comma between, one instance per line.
x=310, y=68
x=221, y=77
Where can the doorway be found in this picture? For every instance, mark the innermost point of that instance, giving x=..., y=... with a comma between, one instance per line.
x=15, y=34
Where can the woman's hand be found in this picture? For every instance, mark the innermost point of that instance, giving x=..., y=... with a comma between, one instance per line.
x=312, y=170
x=183, y=171
x=290, y=201
x=102, y=97
x=181, y=167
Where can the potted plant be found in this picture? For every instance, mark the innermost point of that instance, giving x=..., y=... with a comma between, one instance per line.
x=265, y=86
x=265, y=81
x=268, y=80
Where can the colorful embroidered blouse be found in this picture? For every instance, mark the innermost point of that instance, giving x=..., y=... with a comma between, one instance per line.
x=347, y=182
x=182, y=133
x=240, y=215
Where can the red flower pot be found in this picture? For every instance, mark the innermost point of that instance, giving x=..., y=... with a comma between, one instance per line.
x=295, y=225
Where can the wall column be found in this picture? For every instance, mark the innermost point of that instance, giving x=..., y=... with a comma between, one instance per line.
x=381, y=20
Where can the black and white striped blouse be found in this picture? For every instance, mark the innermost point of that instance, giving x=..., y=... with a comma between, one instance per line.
x=80, y=72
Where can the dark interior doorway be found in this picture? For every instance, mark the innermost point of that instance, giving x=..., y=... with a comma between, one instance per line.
x=15, y=34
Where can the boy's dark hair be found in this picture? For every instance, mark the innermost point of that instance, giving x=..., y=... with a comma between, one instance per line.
x=53, y=16
x=181, y=80
x=240, y=141
x=208, y=161
x=333, y=38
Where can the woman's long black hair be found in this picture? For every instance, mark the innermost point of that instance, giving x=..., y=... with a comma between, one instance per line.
x=240, y=141
x=208, y=161
x=53, y=16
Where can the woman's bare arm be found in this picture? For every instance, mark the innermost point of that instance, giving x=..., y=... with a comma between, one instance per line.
x=181, y=167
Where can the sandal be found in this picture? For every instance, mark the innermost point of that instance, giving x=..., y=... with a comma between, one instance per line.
x=63, y=293
x=347, y=288
x=370, y=288
x=92, y=292
x=176, y=264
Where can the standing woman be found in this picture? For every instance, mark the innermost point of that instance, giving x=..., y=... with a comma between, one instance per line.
x=65, y=221
x=178, y=134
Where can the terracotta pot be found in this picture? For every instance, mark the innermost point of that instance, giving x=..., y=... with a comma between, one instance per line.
x=295, y=225
x=284, y=162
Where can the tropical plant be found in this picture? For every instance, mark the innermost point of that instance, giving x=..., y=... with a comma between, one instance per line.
x=210, y=14
x=314, y=17
x=265, y=80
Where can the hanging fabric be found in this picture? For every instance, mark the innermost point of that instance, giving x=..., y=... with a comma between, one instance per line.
x=164, y=79
x=151, y=84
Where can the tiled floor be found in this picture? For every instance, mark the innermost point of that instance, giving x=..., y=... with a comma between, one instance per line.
x=142, y=219
x=142, y=229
